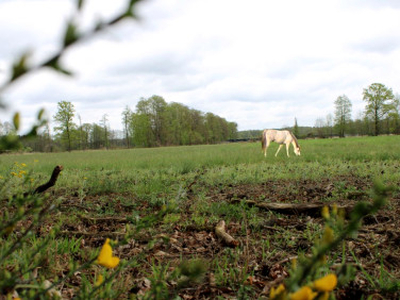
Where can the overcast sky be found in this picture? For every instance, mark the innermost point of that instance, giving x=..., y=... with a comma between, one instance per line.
x=258, y=63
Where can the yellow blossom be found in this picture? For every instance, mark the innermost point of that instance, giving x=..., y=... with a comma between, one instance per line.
x=334, y=209
x=13, y=174
x=326, y=283
x=305, y=293
x=328, y=235
x=294, y=263
x=99, y=280
x=105, y=257
x=325, y=212
x=23, y=165
x=277, y=293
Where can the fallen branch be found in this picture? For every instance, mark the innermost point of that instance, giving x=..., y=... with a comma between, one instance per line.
x=310, y=209
x=226, y=238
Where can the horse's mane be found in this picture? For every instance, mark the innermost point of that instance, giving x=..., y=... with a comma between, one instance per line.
x=295, y=139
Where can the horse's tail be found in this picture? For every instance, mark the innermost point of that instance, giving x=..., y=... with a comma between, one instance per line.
x=263, y=141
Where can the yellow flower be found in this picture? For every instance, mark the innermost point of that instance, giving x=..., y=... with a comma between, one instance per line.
x=328, y=235
x=99, y=280
x=305, y=293
x=105, y=257
x=277, y=293
x=326, y=284
x=13, y=174
x=294, y=263
x=325, y=212
x=334, y=209
x=23, y=165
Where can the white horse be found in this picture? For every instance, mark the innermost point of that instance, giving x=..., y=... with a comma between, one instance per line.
x=281, y=137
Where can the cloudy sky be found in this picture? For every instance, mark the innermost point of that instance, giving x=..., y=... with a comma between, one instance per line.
x=258, y=63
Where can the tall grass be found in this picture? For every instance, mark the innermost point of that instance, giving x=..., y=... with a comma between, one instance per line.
x=158, y=168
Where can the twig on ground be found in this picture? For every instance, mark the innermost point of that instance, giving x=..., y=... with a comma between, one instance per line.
x=226, y=238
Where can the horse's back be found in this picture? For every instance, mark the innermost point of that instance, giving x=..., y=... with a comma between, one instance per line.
x=278, y=136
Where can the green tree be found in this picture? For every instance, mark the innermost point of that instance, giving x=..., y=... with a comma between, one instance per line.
x=154, y=108
x=232, y=127
x=395, y=116
x=126, y=118
x=143, y=135
x=379, y=100
x=96, y=136
x=64, y=118
x=343, y=108
x=85, y=130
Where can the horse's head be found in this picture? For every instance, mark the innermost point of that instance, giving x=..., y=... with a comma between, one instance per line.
x=297, y=150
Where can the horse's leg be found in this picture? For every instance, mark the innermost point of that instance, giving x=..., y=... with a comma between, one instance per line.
x=287, y=150
x=280, y=146
x=266, y=148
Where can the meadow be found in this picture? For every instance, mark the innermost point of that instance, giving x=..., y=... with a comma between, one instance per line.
x=161, y=206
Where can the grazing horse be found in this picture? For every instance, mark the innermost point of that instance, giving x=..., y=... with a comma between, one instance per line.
x=281, y=137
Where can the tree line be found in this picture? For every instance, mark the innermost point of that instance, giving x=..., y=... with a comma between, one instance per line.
x=153, y=123
x=380, y=116
x=158, y=123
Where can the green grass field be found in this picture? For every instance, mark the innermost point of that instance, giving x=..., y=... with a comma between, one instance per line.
x=320, y=158
x=199, y=186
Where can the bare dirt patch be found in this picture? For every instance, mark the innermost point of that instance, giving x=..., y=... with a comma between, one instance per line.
x=373, y=251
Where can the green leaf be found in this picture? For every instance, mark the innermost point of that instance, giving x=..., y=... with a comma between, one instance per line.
x=130, y=11
x=20, y=66
x=40, y=114
x=71, y=34
x=54, y=64
x=80, y=4
x=16, y=121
